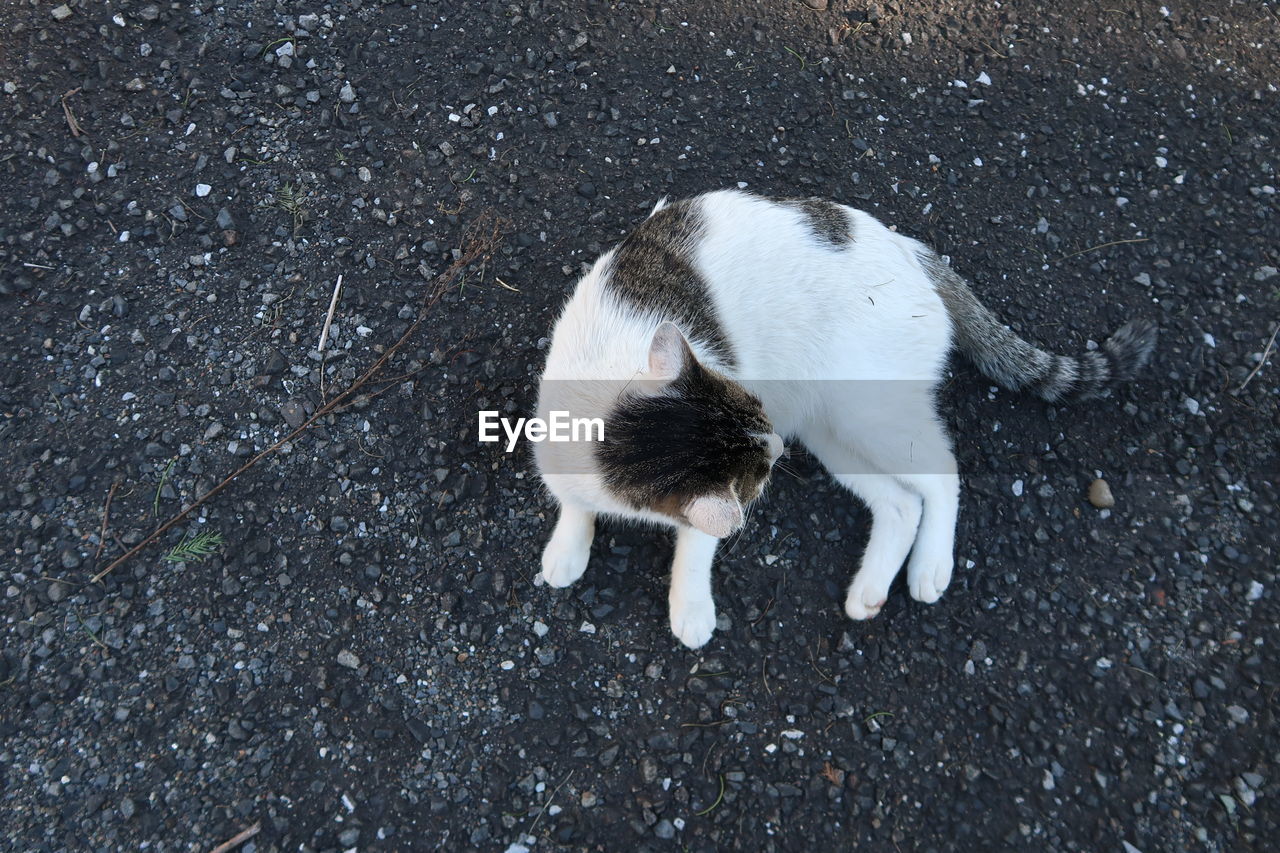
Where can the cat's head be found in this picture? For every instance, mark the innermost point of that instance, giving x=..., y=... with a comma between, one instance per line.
x=687, y=442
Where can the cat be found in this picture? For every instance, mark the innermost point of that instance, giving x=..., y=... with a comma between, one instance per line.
x=727, y=322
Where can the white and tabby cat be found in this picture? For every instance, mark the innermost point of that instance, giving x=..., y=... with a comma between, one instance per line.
x=725, y=322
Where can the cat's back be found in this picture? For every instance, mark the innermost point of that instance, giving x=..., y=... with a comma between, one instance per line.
x=802, y=246
x=650, y=276
x=762, y=287
x=816, y=287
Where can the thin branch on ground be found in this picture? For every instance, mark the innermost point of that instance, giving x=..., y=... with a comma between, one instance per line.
x=1266, y=353
x=324, y=333
x=547, y=804
x=1105, y=245
x=106, y=518
x=328, y=320
x=481, y=239
x=239, y=838
x=72, y=124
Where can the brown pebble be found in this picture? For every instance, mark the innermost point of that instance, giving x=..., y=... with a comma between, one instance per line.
x=1100, y=495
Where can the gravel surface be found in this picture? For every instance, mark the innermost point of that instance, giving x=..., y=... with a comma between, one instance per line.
x=365, y=661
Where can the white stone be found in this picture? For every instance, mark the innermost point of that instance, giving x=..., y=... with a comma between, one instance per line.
x=203, y=190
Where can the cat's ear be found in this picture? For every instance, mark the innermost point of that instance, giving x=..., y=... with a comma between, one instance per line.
x=669, y=352
x=717, y=515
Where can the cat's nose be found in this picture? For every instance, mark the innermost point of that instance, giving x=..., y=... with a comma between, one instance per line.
x=774, y=441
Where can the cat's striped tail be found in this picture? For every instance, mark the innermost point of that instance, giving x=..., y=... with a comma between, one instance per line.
x=1018, y=365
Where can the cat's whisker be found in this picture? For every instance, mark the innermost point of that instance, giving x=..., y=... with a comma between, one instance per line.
x=732, y=543
x=788, y=471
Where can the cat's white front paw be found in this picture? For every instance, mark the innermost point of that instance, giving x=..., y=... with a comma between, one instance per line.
x=564, y=562
x=693, y=621
x=928, y=577
x=866, y=596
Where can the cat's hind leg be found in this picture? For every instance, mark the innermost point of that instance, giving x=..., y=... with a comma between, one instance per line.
x=933, y=559
x=913, y=448
x=566, y=555
x=895, y=516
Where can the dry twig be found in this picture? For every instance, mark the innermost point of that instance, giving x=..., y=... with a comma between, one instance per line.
x=1265, y=355
x=72, y=124
x=328, y=320
x=106, y=516
x=1105, y=245
x=239, y=838
x=324, y=333
x=482, y=236
x=547, y=804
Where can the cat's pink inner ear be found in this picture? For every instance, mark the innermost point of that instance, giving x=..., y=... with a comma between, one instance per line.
x=669, y=352
x=715, y=515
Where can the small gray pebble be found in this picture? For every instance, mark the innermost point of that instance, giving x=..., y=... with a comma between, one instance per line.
x=293, y=413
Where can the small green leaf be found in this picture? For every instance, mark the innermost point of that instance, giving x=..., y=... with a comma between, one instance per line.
x=195, y=548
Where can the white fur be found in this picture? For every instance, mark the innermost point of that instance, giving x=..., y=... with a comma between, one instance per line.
x=843, y=345
x=717, y=516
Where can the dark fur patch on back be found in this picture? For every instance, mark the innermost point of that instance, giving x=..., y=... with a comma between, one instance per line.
x=653, y=270
x=695, y=438
x=828, y=221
